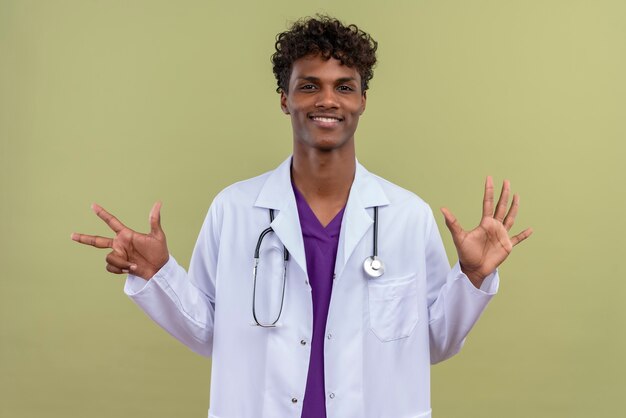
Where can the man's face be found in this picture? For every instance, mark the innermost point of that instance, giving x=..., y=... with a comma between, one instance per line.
x=324, y=101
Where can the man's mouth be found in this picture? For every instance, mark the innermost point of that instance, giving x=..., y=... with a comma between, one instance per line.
x=326, y=121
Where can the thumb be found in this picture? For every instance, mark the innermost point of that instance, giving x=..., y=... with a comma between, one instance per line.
x=451, y=222
x=155, y=219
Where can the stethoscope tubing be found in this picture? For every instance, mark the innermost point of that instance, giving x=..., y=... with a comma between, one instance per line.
x=254, y=274
x=373, y=266
x=375, y=246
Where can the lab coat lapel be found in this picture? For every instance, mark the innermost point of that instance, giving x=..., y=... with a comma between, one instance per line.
x=277, y=193
x=365, y=193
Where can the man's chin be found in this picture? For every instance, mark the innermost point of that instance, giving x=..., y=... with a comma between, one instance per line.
x=328, y=144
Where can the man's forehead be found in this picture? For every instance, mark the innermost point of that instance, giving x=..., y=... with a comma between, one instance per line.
x=317, y=67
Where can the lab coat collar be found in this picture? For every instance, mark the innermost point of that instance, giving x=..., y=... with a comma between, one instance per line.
x=277, y=193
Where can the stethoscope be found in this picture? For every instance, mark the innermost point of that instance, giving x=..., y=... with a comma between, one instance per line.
x=373, y=266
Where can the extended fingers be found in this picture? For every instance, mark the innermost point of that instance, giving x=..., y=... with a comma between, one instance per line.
x=503, y=201
x=93, y=240
x=110, y=220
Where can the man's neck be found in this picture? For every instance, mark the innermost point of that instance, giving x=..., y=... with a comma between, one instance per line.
x=324, y=179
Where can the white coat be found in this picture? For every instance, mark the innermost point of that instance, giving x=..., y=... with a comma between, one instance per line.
x=381, y=335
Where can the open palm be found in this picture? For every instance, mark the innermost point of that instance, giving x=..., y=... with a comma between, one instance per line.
x=485, y=247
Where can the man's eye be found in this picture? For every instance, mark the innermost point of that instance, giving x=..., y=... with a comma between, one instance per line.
x=345, y=88
x=307, y=87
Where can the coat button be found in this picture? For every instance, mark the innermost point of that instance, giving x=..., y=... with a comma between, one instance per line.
x=329, y=336
x=294, y=400
x=302, y=342
x=331, y=395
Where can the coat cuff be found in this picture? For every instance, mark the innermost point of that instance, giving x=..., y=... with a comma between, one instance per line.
x=489, y=286
x=135, y=285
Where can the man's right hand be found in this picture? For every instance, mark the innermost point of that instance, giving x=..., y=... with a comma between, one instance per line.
x=139, y=254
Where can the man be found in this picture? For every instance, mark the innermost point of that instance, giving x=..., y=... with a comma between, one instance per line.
x=334, y=321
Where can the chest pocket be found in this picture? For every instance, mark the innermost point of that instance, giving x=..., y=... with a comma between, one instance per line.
x=393, y=309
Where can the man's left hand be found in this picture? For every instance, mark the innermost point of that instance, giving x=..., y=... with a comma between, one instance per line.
x=485, y=247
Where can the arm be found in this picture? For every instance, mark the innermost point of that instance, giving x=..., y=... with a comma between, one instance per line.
x=183, y=303
x=454, y=304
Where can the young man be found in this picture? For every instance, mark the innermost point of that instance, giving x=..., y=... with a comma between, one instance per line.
x=334, y=322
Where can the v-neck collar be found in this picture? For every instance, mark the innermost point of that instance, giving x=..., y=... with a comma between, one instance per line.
x=310, y=223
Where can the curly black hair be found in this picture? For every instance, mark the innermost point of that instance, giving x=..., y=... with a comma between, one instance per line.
x=328, y=37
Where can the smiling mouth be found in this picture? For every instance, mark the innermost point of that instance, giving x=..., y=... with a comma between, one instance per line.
x=326, y=121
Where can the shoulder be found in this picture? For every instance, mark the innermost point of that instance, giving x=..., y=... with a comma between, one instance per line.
x=242, y=192
x=235, y=200
x=405, y=208
x=400, y=197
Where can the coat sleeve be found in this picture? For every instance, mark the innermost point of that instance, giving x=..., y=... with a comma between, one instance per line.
x=454, y=303
x=184, y=303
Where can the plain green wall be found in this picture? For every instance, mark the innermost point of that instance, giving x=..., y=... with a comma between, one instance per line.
x=126, y=102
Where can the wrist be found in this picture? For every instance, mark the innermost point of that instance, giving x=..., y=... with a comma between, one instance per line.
x=476, y=277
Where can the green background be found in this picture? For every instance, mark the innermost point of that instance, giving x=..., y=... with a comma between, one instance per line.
x=126, y=102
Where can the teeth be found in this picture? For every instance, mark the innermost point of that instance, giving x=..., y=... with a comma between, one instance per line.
x=321, y=119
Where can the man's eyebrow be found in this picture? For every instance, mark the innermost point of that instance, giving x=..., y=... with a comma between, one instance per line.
x=317, y=80
x=346, y=79
x=309, y=78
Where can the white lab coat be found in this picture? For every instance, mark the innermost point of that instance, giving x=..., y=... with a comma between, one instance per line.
x=381, y=334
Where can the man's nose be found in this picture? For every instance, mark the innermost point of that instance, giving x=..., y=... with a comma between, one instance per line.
x=327, y=98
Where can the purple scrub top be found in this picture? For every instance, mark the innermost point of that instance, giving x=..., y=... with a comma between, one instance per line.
x=320, y=247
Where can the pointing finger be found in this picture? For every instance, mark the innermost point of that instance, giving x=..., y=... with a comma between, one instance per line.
x=110, y=220
x=93, y=240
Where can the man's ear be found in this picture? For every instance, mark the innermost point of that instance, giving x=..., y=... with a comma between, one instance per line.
x=363, y=102
x=283, y=102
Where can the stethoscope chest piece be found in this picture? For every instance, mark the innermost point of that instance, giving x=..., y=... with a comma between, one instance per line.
x=374, y=267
